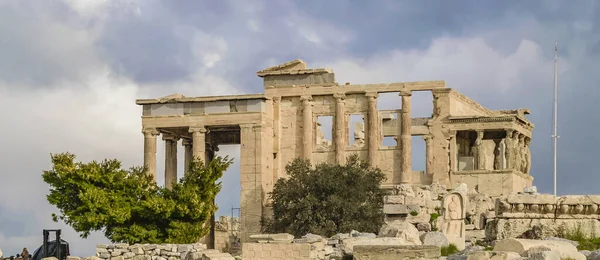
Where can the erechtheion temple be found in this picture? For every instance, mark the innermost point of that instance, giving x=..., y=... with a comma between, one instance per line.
x=465, y=142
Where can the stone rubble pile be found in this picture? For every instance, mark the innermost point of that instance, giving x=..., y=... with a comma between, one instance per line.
x=525, y=249
x=159, y=252
x=422, y=204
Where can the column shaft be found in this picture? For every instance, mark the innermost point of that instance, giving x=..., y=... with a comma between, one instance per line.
x=340, y=127
x=170, y=159
x=307, y=124
x=187, y=144
x=150, y=151
x=198, y=143
x=405, y=139
x=428, y=154
x=374, y=122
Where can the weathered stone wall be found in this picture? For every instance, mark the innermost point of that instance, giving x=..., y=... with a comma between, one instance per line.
x=256, y=251
x=159, y=252
x=533, y=215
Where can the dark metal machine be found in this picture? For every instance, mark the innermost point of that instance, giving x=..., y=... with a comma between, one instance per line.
x=57, y=248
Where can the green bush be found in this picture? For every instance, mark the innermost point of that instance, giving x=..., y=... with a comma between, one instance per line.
x=449, y=250
x=128, y=206
x=327, y=199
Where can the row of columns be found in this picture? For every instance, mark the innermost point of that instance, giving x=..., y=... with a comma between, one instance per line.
x=373, y=138
x=191, y=151
x=517, y=155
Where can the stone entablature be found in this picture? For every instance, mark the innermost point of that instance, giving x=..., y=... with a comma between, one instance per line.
x=548, y=206
x=544, y=215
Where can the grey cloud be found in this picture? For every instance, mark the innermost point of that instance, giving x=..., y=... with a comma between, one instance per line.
x=36, y=49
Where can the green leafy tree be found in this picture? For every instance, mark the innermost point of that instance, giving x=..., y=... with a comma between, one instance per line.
x=127, y=205
x=327, y=199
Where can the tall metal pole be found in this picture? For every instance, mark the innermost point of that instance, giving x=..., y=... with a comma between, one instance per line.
x=555, y=135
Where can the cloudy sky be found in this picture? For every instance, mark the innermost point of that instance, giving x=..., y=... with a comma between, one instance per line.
x=70, y=72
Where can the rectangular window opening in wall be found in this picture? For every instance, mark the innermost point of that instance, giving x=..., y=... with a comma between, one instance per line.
x=418, y=152
x=389, y=101
x=464, y=143
x=324, y=132
x=389, y=141
x=389, y=124
x=421, y=104
x=357, y=131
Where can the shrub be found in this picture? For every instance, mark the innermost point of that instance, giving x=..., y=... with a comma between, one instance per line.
x=327, y=199
x=449, y=250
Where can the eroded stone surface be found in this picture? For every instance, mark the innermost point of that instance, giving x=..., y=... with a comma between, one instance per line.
x=391, y=252
x=521, y=246
x=402, y=230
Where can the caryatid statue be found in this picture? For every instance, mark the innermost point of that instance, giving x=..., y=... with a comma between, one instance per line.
x=509, y=147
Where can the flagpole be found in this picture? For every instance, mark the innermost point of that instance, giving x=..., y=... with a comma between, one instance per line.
x=555, y=135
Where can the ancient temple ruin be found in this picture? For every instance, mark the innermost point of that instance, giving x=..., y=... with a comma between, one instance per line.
x=465, y=142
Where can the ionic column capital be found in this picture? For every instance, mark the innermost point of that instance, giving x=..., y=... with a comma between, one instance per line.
x=405, y=93
x=277, y=99
x=339, y=97
x=150, y=132
x=372, y=95
x=200, y=129
x=170, y=137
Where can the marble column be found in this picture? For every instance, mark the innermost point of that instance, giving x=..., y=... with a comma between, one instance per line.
x=187, y=144
x=150, y=151
x=170, y=159
x=198, y=143
x=428, y=154
x=453, y=152
x=374, y=122
x=340, y=127
x=307, y=125
x=405, y=138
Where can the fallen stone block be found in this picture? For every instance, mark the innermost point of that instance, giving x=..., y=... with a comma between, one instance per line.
x=546, y=255
x=521, y=246
x=272, y=238
x=349, y=244
x=389, y=252
x=491, y=255
x=401, y=229
x=434, y=239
